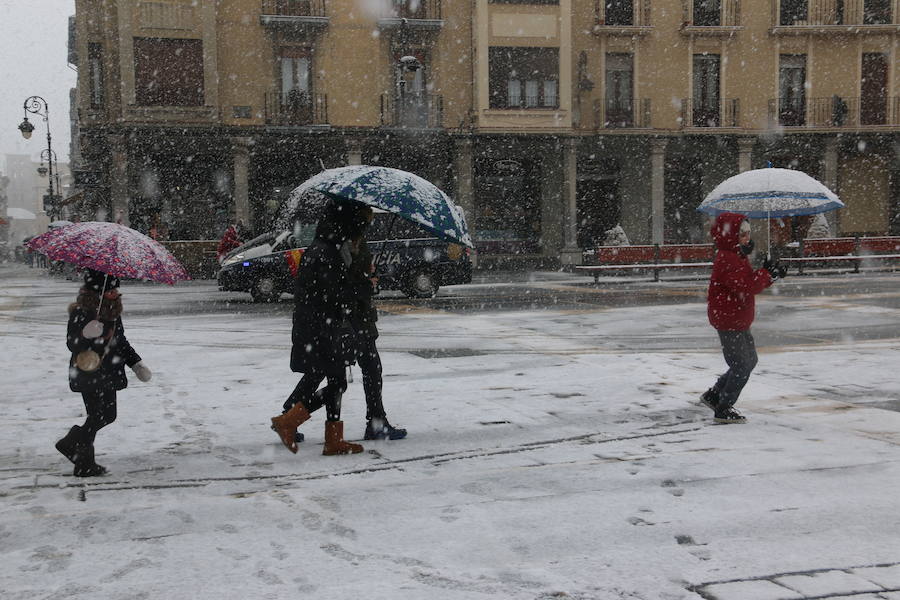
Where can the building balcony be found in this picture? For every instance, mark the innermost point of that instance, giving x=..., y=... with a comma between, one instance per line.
x=423, y=15
x=697, y=113
x=791, y=17
x=295, y=15
x=711, y=17
x=613, y=114
x=412, y=111
x=835, y=111
x=296, y=109
x=622, y=17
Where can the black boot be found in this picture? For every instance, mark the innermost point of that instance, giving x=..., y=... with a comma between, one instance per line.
x=84, y=462
x=710, y=399
x=380, y=429
x=68, y=445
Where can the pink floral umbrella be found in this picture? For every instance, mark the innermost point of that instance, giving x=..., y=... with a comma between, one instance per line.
x=112, y=249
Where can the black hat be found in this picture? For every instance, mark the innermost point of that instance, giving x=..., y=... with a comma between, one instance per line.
x=94, y=281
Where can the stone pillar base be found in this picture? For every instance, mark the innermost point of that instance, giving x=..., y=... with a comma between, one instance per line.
x=571, y=255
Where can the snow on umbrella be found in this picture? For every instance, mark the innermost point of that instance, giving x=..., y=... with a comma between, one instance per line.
x=770, y=192
x=112, y=249
x=398, y=192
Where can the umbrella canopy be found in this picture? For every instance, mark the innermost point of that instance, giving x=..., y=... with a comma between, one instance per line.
x=769, y=193
x=399, y=192
x=112, y=249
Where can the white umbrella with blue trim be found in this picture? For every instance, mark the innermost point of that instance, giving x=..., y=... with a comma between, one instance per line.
x=770, y=193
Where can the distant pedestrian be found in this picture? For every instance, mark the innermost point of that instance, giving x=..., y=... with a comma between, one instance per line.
x=231, y=239
x=100, y=351
x=363, y=317
x=321, y=335
x=731, y=309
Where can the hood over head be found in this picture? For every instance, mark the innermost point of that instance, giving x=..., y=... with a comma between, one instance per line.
x=341, y=221
x=726, y=230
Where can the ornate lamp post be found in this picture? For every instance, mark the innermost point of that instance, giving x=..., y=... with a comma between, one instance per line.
x=38, y=106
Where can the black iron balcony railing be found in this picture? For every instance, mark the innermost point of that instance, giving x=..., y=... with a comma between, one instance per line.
x=294, y=8
x=616, y=114
x=712, y=13
x=412, y=111
x=788, y=112
x=296, y=108
x=697, y=113
x=804, y=13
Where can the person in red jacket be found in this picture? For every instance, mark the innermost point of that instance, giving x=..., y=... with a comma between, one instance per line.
x=731, y=308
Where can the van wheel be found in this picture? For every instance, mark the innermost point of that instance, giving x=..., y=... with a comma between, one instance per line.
x=420, y=283
x=264, y=290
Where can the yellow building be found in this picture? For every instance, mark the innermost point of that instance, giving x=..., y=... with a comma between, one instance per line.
x=548, y=121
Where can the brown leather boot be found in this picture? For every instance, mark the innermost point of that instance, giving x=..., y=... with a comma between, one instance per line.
x=286, y=425
x=334, y=440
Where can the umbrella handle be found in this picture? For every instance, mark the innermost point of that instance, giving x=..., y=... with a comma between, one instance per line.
x=103, y=287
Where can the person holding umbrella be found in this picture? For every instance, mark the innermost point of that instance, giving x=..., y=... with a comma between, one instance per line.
x=321, y=335
x=733, y=287
x=100, y=351
x=363, y=317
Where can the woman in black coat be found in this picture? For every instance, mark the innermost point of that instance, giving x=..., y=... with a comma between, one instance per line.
x=321, y=336
x=363, y=317
x=100, y=351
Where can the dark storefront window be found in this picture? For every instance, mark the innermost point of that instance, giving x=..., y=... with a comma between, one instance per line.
x=168, y=72
x=507, y=205
x=524, y=77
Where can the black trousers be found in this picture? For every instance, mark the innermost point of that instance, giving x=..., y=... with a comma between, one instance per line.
x=100, y=406
x=329, y=396
x=370, y=364
x=739, y=351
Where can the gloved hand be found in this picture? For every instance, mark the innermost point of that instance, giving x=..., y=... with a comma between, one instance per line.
x=92, y=330
x=142, y=371
x=775, y=269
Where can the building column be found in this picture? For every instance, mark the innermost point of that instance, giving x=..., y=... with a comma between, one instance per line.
x=657, y=189
x=464, y=193
x=745, y=153
x=354, y=152
x=118, y=180
x=571, y=253
x=830, y=179
x=240, y=151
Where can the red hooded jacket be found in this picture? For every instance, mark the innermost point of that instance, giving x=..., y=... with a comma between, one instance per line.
x=734, y=284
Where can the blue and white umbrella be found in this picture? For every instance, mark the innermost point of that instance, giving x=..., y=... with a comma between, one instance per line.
x=398, y=192
x=769, y=193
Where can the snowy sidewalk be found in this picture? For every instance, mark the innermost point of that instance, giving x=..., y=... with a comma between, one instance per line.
x=537, y=467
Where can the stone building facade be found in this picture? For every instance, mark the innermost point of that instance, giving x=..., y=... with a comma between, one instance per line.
x=547, y=121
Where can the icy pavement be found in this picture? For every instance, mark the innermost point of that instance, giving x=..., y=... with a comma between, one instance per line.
x=541, y=464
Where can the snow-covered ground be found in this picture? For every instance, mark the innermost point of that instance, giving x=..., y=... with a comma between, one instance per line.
x=552, y=454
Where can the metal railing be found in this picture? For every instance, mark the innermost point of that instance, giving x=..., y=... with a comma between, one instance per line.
x=611, y=114
x=788, y=112
x=296, y=108
x=622, y=13
x=798, y=13
x=695, y=113
x=712, y=13
x=527, y=102
x=412, y=111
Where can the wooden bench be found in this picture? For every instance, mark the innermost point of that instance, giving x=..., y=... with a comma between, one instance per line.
x=845, y=250
x=656, y=257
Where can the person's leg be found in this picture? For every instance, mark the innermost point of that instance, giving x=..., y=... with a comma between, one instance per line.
x=297, y=408
x=100, y=407
x=305, y=392
x=739, y=350
x=334, y=427
x=370, y=364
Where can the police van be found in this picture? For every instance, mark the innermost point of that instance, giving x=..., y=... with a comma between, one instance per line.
x=407, y=258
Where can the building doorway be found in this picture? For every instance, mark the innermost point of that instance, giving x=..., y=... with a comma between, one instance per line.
x=599, y=209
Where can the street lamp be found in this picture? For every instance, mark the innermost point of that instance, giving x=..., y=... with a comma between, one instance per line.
x=38, y=106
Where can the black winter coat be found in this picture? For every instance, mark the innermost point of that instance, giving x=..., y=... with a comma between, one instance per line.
x=321, y=335
x=113, y=346
x=363, y=313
